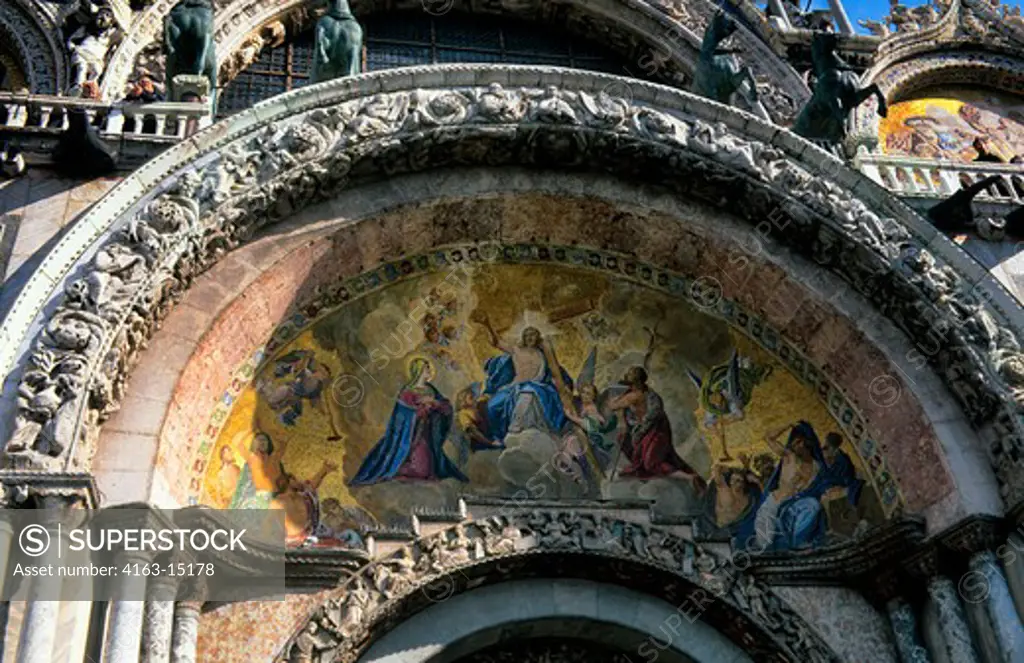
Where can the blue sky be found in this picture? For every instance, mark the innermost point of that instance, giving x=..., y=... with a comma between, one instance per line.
x=875, y=9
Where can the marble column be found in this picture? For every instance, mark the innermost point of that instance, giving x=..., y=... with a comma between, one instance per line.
x=124, y=633
x=6, y=535
x=186, y=631
x=158, y=624
x=38, y=631
x=998, y=609
x=124, y=623
x=955, y=643
x=904, y=627
x=42, y=607
x=1012, y=555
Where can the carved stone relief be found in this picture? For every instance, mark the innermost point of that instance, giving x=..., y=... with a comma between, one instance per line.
x=340, y=628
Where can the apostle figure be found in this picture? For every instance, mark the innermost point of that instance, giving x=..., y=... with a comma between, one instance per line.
x=413, y=444
x=260, y=475
x=790, y=516
x=731, y=501
x=647, y=439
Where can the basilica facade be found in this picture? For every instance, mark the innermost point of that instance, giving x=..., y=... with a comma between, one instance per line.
x=616, y=330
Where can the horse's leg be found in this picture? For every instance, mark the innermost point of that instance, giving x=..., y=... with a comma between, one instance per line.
x=747, y=75
x=211, y=74
x=863, y=94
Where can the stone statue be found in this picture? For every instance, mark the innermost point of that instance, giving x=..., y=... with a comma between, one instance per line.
x=339, y=43
x=717, y=75
x=836, y=93
x=188, y=43
x=877, y=28
x=88, y=46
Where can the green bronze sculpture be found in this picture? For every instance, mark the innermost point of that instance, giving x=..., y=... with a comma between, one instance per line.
x=188, y=43
x=718, y=76
x=837, y=92
x=339, y=43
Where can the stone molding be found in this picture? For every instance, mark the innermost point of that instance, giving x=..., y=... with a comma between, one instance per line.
x=388, y=589
x=77, y=327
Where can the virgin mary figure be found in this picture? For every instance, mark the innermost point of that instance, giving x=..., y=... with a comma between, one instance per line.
x=413, y=444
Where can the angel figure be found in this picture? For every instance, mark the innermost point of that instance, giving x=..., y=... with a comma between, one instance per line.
x=298, y=377
x=726, y=390
x=592, y=422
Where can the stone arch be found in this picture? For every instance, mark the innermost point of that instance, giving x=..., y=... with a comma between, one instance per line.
x=548, y=543
x=625, y=622
x=32, y=37
x=79, y=323
x=660, y=40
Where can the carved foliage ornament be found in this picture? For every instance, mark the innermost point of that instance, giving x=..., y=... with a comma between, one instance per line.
x=76, y=371
x=340, y=628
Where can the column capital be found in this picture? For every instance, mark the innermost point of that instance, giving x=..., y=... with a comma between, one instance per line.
x=38, y=489
x=973, y=535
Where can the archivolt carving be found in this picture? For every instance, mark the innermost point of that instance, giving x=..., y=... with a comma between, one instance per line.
x=473, y=553
x=33, y=37
x=77, y=366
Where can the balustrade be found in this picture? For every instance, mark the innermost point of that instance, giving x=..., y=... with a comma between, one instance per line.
x=161, y=121
x=930, y=178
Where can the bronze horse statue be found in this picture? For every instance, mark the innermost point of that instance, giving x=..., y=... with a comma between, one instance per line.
x=837, y=92
x=717, y=75
x=339, y=43
x=188, y=43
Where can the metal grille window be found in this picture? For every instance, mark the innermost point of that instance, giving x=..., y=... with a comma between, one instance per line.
x=406, y=40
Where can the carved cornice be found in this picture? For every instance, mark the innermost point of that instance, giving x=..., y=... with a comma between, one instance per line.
x=552, y=543
x=973, y=535
x=852, y=563
x=79, y=324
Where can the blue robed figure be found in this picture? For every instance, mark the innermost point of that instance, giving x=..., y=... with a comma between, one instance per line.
x=790, y=515
x=413, y=444
x=506, y=393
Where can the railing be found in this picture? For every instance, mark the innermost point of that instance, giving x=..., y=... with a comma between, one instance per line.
x=161, y=121
x=929, y=178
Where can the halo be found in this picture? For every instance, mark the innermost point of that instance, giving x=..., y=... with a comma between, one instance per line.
x=538, y=321
x=412, y=358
